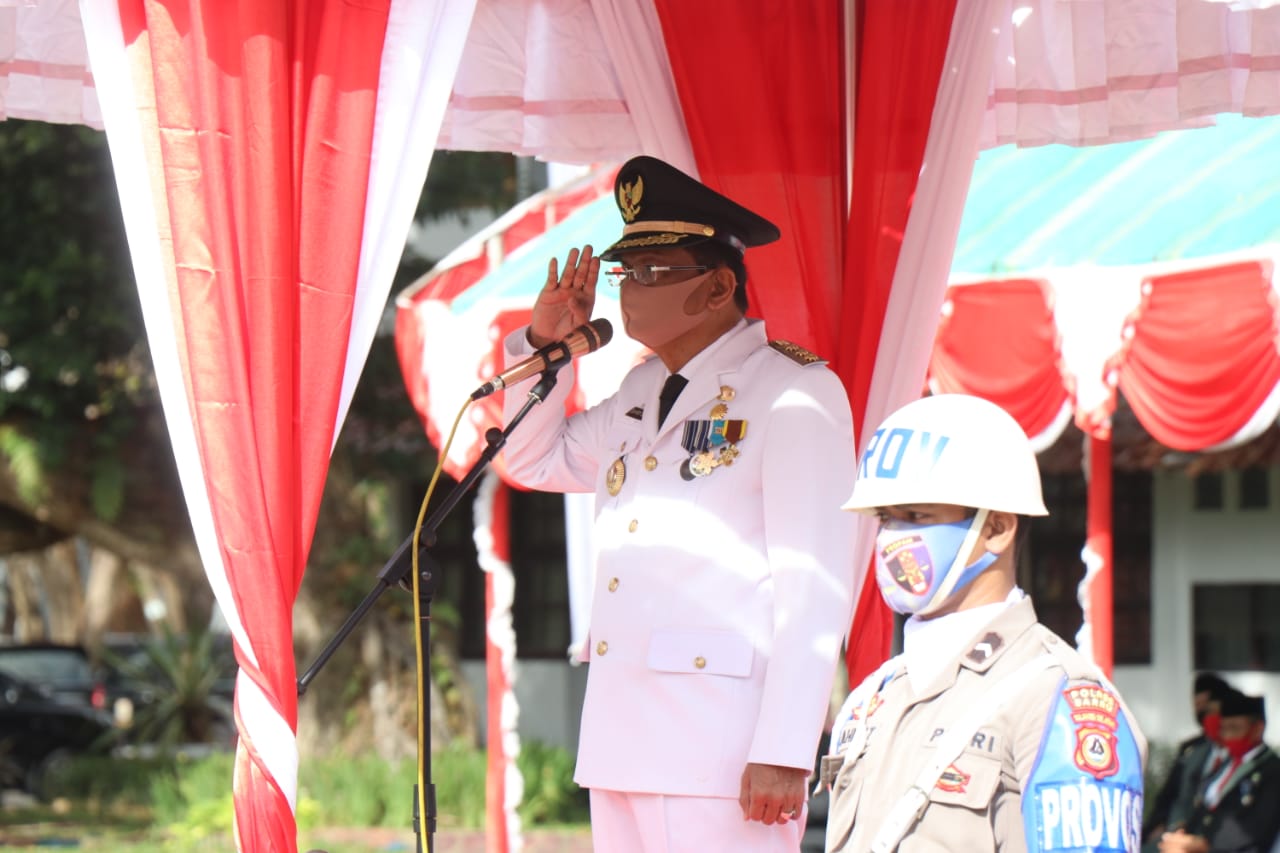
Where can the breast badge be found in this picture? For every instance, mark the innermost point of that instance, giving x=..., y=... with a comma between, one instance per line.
x=615, y=477
x=953, y=780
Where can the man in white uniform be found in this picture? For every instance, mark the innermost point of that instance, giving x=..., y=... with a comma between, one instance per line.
x=724, y=576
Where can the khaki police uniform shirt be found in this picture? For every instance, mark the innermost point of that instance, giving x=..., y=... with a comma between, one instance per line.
x=977, y=804
x=719, y=601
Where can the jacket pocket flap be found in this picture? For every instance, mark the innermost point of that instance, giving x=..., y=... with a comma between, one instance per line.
x=701, y=653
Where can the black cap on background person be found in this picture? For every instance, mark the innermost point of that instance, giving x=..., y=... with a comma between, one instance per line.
x=1237, y=704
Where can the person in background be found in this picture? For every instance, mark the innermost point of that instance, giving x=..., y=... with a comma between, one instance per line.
x=724, y=571
x=1238, y=809
x=988, y=733
x=1173, y=803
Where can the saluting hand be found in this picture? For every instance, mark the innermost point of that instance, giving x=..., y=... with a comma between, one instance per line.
x=772, y=794
x=565, y=301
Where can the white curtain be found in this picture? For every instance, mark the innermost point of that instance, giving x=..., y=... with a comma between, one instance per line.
x=1089, y=72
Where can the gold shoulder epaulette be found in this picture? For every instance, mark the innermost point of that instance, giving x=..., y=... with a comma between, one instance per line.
x=795, y=352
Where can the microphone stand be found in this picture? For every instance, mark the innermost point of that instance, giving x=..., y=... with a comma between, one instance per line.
x=397, y=571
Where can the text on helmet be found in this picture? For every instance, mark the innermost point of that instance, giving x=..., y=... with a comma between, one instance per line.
x=901, y=451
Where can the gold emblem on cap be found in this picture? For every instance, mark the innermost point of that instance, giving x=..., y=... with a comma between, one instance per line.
x=616, y=476
x=629, y=198
x=727, y=394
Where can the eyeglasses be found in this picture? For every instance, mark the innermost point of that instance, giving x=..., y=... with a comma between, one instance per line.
x=645, y=275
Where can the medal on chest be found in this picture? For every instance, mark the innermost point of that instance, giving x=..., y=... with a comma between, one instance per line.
x=713, y=442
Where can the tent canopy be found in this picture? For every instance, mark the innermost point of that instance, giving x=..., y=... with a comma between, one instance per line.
x=1183, y=194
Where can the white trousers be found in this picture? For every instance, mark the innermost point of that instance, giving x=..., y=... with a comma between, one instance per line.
x=656, y=823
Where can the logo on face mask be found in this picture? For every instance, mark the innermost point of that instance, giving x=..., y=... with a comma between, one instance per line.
x=919, y=566
x=908, y=562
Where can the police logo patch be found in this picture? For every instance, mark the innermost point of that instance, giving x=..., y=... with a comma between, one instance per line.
x=1093, y=710
x=953, y=780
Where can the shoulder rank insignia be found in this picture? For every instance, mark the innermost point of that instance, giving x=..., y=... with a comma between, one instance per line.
x=795, y=352
x=985, y=647
x=629, y=199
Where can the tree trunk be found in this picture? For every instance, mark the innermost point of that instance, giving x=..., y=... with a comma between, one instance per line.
x=152, y=526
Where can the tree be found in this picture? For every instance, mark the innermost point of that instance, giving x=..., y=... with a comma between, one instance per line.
x=83, y=446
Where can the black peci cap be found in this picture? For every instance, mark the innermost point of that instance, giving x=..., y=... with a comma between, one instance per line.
x=663, y=208
x=1237, y=704
x=1211, y=683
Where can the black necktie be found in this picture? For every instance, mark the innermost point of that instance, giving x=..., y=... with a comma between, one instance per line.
x=670, y=390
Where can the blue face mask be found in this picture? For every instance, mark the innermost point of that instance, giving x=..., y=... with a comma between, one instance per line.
x=920, y=566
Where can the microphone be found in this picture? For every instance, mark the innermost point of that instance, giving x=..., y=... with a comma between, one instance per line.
x=588, y=337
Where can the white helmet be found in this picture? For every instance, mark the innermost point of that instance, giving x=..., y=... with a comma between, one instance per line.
x=949, y=449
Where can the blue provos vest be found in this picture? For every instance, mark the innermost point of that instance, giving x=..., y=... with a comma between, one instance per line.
x=900, y=450
x=1085, y=790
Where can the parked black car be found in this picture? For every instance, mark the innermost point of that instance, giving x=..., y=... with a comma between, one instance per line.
x=37, y=732
x=63, y=672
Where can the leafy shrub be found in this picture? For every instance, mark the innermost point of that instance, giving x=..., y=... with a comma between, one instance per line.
x=550, y=794
x=195, y=800
x=105, y=783
x=191, y=799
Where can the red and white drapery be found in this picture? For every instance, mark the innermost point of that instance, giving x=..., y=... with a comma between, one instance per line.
x=269, y=154
x=268, y=172
x=1192, y=346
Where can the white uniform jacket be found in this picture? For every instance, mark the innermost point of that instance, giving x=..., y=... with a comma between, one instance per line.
x=720, y=601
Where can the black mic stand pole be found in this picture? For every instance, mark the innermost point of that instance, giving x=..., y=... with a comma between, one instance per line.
x=397, y=570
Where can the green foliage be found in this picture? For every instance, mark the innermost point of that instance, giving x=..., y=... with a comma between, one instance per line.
x=366, y=791
x=104, y=783
x=459, y=776
x=181, y=672
x=459, y=180
x=190, y=806
x=107, y=487
x=550, y=794
x=69, y=313
x=195, y=800
x=23, y=456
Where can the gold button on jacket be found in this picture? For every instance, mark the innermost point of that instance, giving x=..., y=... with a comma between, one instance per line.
x=602, y=647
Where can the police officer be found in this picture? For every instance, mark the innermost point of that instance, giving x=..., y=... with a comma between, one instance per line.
x=723, y=580
x=988, y=732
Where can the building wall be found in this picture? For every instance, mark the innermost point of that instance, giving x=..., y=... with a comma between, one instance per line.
x=1197, y=546
x=549, y=694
